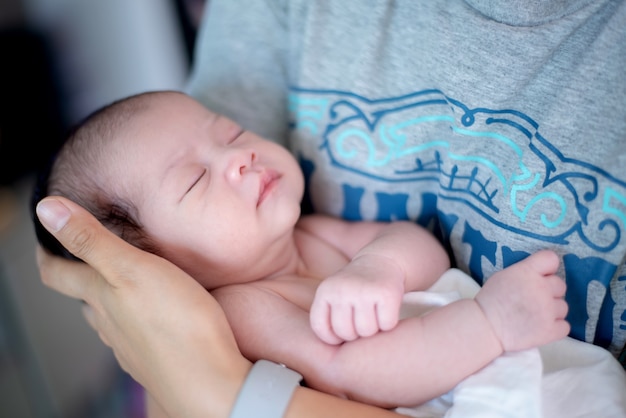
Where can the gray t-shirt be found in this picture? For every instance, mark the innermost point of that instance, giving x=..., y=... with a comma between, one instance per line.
x=500, y=125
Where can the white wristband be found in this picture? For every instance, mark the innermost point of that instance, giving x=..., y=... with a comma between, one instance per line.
x=267, y=391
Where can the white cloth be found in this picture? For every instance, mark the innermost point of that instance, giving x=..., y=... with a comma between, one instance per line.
x=564, y=379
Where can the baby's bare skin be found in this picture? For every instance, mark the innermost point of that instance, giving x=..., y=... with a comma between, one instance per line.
x=328, y=326
x=524, y=302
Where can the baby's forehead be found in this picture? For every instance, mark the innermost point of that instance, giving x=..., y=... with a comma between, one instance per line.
x=176, y=99
x=175, y=108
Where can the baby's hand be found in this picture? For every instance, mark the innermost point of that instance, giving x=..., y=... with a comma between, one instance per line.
x=359, y=300
x=524, y=303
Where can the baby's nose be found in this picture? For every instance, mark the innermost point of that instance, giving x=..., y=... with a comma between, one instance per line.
x=240, y=161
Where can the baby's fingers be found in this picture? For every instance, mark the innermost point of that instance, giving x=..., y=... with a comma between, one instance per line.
x=319, y=318
x=561, y=309
x=557, y=285
x=342, y=321
x=366, y=321
x=388, y=313
x=558, y=289
x=561, y=329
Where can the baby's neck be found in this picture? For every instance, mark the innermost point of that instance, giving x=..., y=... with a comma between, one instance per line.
x=315, y=257
x=290, y=261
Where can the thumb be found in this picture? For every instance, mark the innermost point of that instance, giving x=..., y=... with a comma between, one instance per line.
x=82, y=235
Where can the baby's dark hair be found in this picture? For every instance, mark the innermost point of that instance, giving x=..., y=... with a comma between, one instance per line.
x=72, y=172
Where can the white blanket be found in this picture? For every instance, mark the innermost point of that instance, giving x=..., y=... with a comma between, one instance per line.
x=564, y=379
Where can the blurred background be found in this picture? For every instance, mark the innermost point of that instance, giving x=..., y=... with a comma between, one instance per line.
x=59, y=61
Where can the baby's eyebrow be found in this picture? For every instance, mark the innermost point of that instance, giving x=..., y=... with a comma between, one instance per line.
x=211, y=119
x=237, y=134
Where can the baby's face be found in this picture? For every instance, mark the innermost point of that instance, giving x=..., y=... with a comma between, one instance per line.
x=217, y=198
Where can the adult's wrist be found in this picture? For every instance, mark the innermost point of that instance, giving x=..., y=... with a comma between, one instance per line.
x=267, y=391
x=205, y=392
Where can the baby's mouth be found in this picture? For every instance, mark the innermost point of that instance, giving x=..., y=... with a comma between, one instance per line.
x=268, y=180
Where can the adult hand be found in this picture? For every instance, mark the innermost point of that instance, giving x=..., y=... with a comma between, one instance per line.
x=166, y=330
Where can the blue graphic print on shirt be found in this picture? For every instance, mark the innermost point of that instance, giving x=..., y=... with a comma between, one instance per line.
x=494, y=163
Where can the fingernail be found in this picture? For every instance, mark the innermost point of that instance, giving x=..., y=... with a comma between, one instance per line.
x=53, y=214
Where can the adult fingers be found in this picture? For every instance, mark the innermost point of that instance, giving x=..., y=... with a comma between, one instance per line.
x=68, y=277
x=86, y=238
x=92, y=320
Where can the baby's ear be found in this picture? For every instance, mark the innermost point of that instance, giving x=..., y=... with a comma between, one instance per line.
x=45, y=239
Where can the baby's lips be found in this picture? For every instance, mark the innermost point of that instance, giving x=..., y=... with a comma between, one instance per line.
x=267, y=181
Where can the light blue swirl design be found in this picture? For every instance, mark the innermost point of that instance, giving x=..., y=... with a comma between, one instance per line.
x=611, y=196
x=540, y=196
x=375, y=139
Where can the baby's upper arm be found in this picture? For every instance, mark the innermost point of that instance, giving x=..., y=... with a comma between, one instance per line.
x=267, y=326
x=413, y=248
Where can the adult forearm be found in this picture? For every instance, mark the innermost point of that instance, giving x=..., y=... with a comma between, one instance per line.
x=305, y=403
x=309, y=403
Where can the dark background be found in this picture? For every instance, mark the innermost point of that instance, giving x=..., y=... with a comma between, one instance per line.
x=60, y=60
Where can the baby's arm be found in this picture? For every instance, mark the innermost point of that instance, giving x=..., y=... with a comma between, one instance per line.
x=387, y=260
x=403, y=367
x=422, y=357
